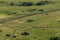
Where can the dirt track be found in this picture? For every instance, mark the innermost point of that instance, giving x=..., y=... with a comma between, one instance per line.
x=18, y=17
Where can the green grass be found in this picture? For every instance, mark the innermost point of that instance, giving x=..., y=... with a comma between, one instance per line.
x=7, y=10
x=42, y=28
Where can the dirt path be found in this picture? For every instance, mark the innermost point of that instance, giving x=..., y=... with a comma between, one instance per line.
x=18, y=17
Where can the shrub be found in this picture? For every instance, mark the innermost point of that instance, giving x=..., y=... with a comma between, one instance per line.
x=54, y=38
x=59, y=21
x=8, y=35
x=25, y=33
x=0, y=30
x=22, y=11
x=12, y=4
x=31, y=10
x=30, y=20
x=27, y=4
x=14, y=36
x=41, y=10
x=46, y=14
x=2, y=2
x=42, y=3
x=15, y=13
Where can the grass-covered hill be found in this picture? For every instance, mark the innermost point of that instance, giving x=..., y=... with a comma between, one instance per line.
x=29, y=19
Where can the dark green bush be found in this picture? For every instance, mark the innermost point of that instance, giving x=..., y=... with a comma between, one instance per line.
x=14, y=36
x=54, y=38
x=15, y=13
x=0, y=30
x=59, y=21
x=25, y=33
x=46, y=14
x=2, y=2
x=8, y=35
x=27, y=3
x=31, y=10
x=41, y=10
x=30, y=20
x=43, y=2
x=21, y=4
x=12, y=4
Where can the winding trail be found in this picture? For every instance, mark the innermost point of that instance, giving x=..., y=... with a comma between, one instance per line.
x=18, y=17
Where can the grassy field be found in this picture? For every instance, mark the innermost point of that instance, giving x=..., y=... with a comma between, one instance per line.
x=40, y=25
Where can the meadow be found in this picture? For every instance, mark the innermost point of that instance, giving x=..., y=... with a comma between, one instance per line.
x=36, y=22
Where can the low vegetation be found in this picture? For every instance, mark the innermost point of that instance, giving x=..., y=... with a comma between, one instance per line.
x=26, y=3
x=55, y=38
x=29, y=20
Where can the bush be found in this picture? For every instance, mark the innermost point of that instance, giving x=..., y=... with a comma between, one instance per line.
x=46, y=14
x=2, y=2
x=31, y=10
x=0, y=30
x=54, y=38
x=59, y=21
x=12, y=4
x=30, y=20
x=42, y=3
x=15, y=13
x=14, y=36
x=24, y=33
x=23, y=11
x=41, y=10
x=8, y=35
x=27, y=3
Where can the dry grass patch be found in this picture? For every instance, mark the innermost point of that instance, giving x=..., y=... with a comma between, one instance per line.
x=3, y=16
